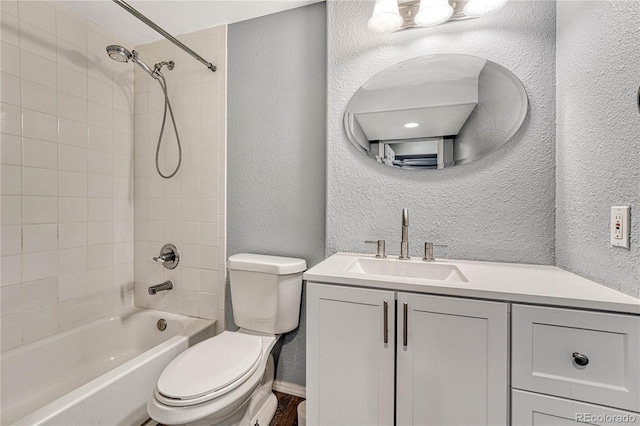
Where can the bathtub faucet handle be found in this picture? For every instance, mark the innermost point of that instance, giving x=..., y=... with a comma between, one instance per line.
x=169, y=256
x=163, y=258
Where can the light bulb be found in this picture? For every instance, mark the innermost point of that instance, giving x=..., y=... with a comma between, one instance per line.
x=385, y=18
x=411, y=125
x=433, y=12
x=479, y=8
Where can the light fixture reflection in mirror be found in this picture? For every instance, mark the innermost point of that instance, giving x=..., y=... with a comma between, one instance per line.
x=435, y=111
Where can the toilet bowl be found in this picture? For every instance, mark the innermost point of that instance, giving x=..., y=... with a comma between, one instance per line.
x=228, y=379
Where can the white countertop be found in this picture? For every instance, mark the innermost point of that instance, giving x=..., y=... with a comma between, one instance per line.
x=536, y=284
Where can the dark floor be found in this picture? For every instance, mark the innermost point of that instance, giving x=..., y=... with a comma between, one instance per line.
x=287, y=411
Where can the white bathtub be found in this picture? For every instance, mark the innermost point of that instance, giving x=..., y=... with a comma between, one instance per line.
x=101, y=373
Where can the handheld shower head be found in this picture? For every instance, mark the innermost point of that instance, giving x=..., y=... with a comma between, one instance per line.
x=118, y=53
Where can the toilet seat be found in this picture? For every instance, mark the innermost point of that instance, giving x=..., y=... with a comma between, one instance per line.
x=218, y=407
x=209, y=369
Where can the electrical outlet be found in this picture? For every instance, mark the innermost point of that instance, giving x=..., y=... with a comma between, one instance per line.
x=617, y=224
x=620, y=226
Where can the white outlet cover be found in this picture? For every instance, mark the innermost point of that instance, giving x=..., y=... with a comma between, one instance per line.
x=620, y=226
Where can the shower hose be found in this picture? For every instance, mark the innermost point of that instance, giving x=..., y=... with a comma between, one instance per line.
x=167, y=105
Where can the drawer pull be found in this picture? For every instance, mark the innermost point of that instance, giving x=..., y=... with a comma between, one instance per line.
x=580, y=359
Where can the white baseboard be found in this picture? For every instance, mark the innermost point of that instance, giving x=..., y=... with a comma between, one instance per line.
x=290, y=388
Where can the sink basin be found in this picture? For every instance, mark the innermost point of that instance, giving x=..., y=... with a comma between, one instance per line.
x=406, y=269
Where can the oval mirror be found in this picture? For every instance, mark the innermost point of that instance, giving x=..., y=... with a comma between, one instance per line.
x=436, y=111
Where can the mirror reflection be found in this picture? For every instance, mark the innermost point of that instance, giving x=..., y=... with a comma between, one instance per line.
x=436, y=111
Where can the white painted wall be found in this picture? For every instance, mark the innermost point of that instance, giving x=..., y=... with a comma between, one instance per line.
x=598, y=153
x=187, y=210
x=498, y=208
x=67, y=173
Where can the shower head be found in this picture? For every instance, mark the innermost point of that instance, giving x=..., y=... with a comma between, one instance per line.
x=118, y=53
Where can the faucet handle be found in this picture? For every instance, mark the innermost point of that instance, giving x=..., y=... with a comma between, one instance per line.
x=428, y=251
x=380, y=254
x=169, y=256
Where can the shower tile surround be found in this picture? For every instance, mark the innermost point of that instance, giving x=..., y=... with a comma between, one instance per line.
x=187, y=210
x=67, y=173
x=67, y=155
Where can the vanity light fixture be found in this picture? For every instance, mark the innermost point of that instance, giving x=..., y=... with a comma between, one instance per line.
x=386, y=17
x=411, y=125
x=392, y=15
x=433, y=12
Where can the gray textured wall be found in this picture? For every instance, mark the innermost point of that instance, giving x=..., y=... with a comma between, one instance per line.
x=276, y=148
x=598, y=153
x=498, y=208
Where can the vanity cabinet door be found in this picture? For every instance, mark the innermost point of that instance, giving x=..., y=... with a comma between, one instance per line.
x=350, y=368
x=452, y=361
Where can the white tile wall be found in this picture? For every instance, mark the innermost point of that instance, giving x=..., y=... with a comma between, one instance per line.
x=187, y=210
x=67, y=208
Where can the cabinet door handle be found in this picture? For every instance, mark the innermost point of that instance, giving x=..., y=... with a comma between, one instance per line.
x=580, y=359
x=405, y=316
x=386, y=321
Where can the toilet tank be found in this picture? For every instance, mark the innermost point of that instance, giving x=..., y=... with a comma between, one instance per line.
x=266, y=292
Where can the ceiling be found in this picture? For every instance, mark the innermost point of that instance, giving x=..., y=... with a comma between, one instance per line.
x=176, y=16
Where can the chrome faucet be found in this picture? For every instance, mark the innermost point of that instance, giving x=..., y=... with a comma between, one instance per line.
x=167, y=285
x=404, y=245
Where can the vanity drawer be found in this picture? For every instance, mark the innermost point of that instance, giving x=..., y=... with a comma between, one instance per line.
x=533, y=409
x=544, y=341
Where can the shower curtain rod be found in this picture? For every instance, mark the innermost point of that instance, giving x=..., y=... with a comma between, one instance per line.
x=162, y=32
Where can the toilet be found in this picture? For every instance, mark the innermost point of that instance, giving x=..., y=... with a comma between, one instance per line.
x=228, y=379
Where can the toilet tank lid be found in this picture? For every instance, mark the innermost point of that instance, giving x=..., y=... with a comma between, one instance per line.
x=267, y=264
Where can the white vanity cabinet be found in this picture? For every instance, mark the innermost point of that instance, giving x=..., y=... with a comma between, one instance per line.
x=578, y=366
x=448, y=353
x=468, y=343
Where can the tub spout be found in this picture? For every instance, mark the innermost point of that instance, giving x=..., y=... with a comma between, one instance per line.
x=167, y=285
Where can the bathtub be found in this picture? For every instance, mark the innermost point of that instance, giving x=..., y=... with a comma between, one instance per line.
x=101, y=373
